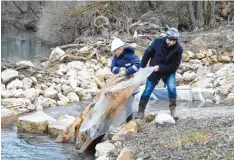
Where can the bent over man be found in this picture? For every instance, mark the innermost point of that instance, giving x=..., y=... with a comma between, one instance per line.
x=165, y=55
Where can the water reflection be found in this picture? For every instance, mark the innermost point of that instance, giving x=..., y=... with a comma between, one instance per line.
x=25, y=46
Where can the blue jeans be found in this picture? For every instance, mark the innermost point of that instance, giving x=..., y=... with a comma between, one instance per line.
x=169, y=80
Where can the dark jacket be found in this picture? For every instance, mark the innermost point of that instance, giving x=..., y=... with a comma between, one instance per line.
x=158, y=54
x=127, y=59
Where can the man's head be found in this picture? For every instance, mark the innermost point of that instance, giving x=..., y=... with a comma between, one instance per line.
x=117, y=46
x=172, y=36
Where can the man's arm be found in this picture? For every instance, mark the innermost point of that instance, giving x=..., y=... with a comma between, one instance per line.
x=114, y=69
x=174, y=65
x=148, y=54
x=135, y=61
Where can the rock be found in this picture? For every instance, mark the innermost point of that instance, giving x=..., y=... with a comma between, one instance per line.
x=73, y=81
x=45, y=102
x=64, y=81
x=229, y=100
x=179, y=78
x=189, y=76
x=18, y=104
x=103, y=158
x=214, y=58
x=184, y=94
x=39, y=76
x=56, y=54
x=60, y=125
x=207, y=93
x=63, y=68
x=63, y=98
x=3, y=87
x=8, y=75
x=25, y=64
x=126, y=154
x=86, y=96
x=58, y=88
x=94, y=61
x=15, y=84
x=39, y=108
x=195, y=61
x=19, y=93
x=73, y=97
x=7, y=94
x=185, y=58
x=66, y=89
x=84, y=75
x=27, y=83
x=209, y=53
x=200, y=55
x=204, y=82
x=104, y=149
x=50, y=93
x=197, y=94
x=103, y=74
x=190, y=54
x=162, y=118
x=103, y=60
x=76, y=65
x=85, y=49
x=30, y=94
x=93, y=91
x=7, y=117
x=226, y=89
x=35, y=123
x=34, y=80
x=224, y=59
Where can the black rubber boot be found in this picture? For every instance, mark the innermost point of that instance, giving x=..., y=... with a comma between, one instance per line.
x=141, y=111
x=129, y=118
x=172, y=106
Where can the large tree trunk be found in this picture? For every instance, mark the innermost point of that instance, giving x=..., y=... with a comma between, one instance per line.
x=199, y=13
x=191, y=14
x=212, y=14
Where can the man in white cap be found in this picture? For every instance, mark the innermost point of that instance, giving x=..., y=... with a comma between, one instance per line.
x=165, y=55
x=124, y=63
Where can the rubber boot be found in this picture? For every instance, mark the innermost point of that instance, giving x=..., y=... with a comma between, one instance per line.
x=172, y=106
x=141, y=111
x=129, y=118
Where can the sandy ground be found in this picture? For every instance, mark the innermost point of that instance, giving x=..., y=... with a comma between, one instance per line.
x=201, y=133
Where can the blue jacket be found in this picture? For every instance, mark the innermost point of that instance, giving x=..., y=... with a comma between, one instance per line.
x=127, y=59
x=158, y=54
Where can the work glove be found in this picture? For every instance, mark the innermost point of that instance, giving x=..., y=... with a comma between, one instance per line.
x=122, y=73
x=122, y=69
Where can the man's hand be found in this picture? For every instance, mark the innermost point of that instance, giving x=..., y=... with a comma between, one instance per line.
x=122, y=73
x=156, y=68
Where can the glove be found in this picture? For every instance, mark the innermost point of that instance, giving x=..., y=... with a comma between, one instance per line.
x=122, y=73
x=122, y=69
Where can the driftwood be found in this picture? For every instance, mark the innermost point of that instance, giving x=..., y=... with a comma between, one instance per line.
x=71, y=57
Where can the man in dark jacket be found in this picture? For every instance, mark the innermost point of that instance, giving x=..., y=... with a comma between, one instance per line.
x=165, y=55
x=125, y=61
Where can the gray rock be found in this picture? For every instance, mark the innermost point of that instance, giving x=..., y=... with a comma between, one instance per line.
x=76, y=65
x=7, y=94
x=208, y=93
x=30, y=94
x=73, y=81
x=35, y=123
x=56, y=54
x=63, y=98
x=104, y=149
x=104, y=73
x=66, y=89
x=50, y=93
x=72, y=96
x=3, y=87
x=34, y=80
x=8, y=75
x=189, y=76
x=15, y=84
x=61, y=124
x=25, y=64
x=18, y=104
x=27, y=83
x=7, y=116
x=45, y=102
x=19, y=93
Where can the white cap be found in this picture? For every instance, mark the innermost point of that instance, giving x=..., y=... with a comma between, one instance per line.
x=116, y=43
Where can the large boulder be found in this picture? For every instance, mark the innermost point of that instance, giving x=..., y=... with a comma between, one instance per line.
x=56, y=128
x=27, y=83
x=77, y=65
x=35, y=123
x=25, y=64
x=8, y=75
x=18, y=104
x=73, y=81
x=104, y=149
x=15, y=84
x=189, y=76
x=50, y=93
x=56, y=54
